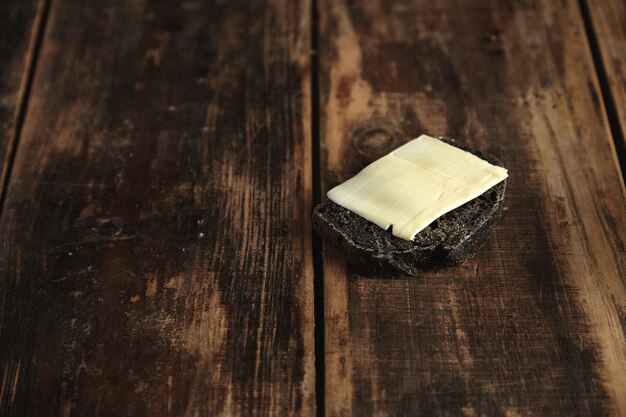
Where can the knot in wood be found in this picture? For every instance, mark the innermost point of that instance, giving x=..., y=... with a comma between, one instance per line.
x=374, y=142
x=493, y=43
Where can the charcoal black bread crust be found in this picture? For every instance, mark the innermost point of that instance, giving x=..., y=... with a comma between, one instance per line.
x=451, y=239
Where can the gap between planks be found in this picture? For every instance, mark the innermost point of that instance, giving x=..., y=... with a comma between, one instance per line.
x=318, y=262
x=22, y=107
x=610, y=108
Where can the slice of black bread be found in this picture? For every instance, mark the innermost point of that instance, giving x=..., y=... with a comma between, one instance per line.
x=451, y=239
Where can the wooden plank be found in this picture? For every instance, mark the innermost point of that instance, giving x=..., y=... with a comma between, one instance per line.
x=155, y=239
x=535, y=324
x=19, y=24
x=608, y=19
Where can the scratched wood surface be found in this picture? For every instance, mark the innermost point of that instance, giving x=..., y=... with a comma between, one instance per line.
x=608, y=19
x=535, y=324
x=19, y=23
x=155, y=238
x=155, y=243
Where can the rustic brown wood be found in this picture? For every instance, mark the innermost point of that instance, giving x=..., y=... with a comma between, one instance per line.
x=535, y=324
x=156, y=235
x=608, y=19
x=19, y=23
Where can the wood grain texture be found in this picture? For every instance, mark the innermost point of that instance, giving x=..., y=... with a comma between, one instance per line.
x=19, y=23
x=608, y=19
x=156, y=234
x=535, y=324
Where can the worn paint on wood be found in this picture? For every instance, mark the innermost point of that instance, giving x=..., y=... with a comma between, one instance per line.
x=156, y=234
x=19, y=25
x=155, y=242
x=534, y=325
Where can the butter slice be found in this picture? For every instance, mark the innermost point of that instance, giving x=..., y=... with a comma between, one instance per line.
x=416, y=184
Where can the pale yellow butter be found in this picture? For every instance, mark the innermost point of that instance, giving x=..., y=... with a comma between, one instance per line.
x=416, y=184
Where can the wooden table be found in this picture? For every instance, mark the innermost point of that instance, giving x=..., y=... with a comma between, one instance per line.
x=160, y=161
